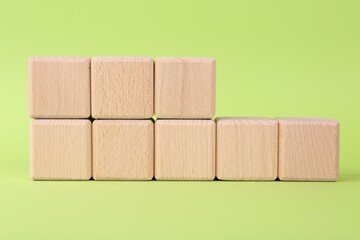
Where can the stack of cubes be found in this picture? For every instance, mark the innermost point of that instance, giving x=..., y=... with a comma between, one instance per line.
x=94, y=118
x=185, y=136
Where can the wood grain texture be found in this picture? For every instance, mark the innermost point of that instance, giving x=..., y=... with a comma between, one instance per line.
x=185, y=87
x=308, y=149
x=60, y=149
x=123, y=149
x=185, y=150
x=122, y=87
x=246, y=148
x=59, y=87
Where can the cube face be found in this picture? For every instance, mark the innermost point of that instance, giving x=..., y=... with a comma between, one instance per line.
x=246, y=149
x=185, y=87
x=123, y=149
x=308, y=149
x=122, y=87
x=185, y=150
x=59, y=87
x=60, y=149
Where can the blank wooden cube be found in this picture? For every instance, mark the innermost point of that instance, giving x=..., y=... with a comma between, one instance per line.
x=185, y=150
x=60, y=149
x=308, y=149
x=59, y=87
x=247, y=149
x=185, y=87
x=122, y=87
x=123, y=149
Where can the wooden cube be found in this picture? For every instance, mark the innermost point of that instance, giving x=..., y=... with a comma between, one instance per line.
x=185, y=150
x=247, y=148
x=59, y=87
x=123, y=149
x=122, y=87
x=60, y=149
x=308, y=150
x=185, y=87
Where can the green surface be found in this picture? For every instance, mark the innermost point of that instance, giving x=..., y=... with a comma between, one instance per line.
x=274, y=58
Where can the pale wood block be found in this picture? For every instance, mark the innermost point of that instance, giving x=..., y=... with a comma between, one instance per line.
x=123, y=149
x=246, y=148
x=185, y=150
x=122, y=87
x=308, y=150
x=185, y=87
x=59, y=87
x=60, y=149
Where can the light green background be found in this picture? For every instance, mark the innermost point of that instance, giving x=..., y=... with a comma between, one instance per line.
x=274, y=58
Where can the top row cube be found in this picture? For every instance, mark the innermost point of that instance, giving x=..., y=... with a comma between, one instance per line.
x=121, y=87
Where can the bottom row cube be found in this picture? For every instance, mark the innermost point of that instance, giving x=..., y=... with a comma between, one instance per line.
x=60, y=149
x=185, y=150
x=247, y=149
x=231, y=149
x=123, y=150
